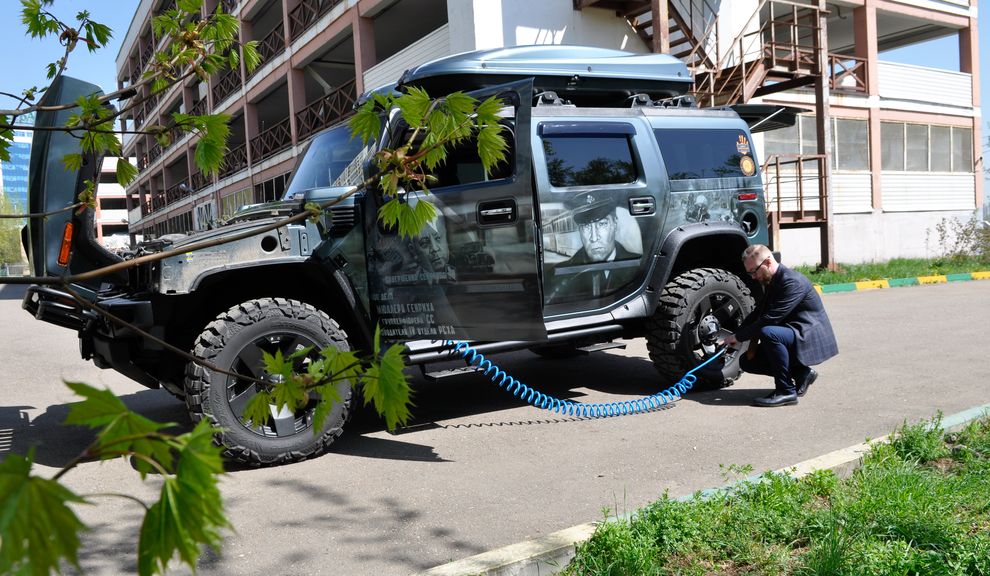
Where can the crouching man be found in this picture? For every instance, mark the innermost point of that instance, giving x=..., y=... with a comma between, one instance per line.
x=789, y=329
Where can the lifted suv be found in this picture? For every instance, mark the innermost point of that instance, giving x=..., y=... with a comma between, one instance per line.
x=621, y=212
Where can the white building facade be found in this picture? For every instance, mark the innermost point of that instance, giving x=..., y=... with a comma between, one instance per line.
x=906, y=149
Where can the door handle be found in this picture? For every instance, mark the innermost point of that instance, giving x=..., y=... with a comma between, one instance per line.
x=642, y=205
x=497, y=212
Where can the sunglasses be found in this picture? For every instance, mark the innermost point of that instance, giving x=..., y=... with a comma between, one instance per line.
x=758, y=266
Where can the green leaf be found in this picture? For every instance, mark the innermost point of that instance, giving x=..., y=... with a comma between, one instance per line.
x=51, y=69
x=189, y=512
x=491, y=146
x=126, y=172
x=366, y=123
x=123, y=431
x=190, y=6
x=97, y=35
x=72, y=162
x=288, y=390
x=413, y=106
x=386, y=386
x=249, y=52
x=38, y=530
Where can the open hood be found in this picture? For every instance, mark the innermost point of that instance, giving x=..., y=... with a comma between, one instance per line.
x=51, y=187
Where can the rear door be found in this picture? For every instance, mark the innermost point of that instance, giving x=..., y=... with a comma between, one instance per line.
x=64, y=242
x=473, y=273
x=602, y=195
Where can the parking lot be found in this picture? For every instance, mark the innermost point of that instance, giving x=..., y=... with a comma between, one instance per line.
x=478, y=469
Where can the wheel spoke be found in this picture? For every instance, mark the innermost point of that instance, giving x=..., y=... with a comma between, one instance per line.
x=284, y=421
x=727, y=311
x=239, y=402
x=252, y=360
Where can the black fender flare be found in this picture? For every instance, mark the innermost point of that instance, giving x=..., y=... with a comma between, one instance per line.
x=668, y=260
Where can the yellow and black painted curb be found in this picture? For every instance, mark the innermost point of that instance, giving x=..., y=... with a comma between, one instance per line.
x=898, y=282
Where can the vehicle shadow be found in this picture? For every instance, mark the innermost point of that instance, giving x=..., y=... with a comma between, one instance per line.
x=13, y=291
x=591, y=378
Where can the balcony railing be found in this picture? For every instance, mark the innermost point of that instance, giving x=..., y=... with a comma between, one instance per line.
x=228, y=84
x=176, y=192
x=272, y=140
x=847, y=73
x=235, y=161
x=307, y=13
x=270, y=47
x=327, y=111
x=175, y=134
x=154, y=152
x=146, y=52
x=198, y=181
x=199, y=108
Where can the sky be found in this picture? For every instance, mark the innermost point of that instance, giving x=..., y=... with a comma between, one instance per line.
x=28, y=57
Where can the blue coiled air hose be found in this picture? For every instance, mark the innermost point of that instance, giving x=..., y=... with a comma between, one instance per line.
x=580, y=410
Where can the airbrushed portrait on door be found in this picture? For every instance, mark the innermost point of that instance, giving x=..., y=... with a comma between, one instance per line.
x=592, y=246
x=701, y=206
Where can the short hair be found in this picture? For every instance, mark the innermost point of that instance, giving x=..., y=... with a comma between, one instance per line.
x=756, y=251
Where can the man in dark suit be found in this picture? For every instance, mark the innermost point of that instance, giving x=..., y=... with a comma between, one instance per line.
x=590, y=272
x=791, y=326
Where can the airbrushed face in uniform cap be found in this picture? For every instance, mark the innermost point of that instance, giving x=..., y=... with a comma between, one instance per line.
x=590, y=206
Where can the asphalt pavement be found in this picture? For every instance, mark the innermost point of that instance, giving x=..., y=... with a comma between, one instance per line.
x=480, y=470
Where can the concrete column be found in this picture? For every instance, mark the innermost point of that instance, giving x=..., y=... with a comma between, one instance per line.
x=363, y=29
x=296, y=81
x=865, y=34
x=251, y=128
x=660, y=42
x=969, y=62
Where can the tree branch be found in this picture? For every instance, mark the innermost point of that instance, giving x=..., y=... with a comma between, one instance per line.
x=43, y=214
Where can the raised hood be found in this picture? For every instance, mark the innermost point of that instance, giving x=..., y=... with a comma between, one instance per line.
x=51, y=187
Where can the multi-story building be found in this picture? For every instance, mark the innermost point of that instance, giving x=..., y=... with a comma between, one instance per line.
x=885, y=151
x=111, y=207
x=15, y=171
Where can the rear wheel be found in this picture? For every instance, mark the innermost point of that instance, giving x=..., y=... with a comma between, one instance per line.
x=235, y=342
x=697, y=308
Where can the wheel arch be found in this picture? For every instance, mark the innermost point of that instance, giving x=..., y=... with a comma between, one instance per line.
x=702, y=245
x=320, y=284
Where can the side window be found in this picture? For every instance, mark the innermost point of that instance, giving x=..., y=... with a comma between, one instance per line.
x=692, y=154
x=589, y=160
x=463, y=165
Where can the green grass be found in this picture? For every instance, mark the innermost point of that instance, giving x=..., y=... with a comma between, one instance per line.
x=917, y=506
x=897, y=268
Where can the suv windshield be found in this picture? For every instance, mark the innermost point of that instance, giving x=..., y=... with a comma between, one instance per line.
x=333, y=158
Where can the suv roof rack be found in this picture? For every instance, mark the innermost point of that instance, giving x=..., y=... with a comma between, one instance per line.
x=584, y=75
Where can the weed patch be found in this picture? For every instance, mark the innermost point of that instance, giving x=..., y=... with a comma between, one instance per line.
x=919, y=505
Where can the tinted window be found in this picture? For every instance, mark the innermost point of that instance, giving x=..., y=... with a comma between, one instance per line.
x=334, y=158
x=589, y=160
x=691, y=154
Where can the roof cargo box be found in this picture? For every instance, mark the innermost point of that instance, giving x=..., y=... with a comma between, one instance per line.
x=584, y=75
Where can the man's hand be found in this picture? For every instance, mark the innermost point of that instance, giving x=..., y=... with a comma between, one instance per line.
x=730, y=341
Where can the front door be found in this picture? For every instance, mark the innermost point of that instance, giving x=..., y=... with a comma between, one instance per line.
x=472, y=273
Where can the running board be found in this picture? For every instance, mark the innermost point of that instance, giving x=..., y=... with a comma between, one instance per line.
x=441, y=374
x=602, y=346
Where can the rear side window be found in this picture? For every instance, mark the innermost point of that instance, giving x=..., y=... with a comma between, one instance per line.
x=585, y=160
x=691, y=154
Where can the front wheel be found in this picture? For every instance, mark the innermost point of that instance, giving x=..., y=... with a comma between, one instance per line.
x=696, y=308
x=234, y=342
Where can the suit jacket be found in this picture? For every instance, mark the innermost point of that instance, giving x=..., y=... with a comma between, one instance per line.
x=791, y=300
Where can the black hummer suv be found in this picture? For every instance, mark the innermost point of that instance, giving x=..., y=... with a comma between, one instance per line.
x=621, y=212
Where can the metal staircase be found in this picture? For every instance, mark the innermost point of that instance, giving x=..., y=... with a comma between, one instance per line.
x=779, y=48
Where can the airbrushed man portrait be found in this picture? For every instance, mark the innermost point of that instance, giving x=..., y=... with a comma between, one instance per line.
x=610, y=247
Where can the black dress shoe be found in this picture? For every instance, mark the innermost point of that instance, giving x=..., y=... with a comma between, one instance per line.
x=776, y=399
x=802, y=386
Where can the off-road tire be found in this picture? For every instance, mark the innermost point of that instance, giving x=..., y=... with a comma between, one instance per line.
x=671, y=335
x=222, y=343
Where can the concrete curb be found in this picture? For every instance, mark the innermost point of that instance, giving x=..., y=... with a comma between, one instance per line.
x=899, y=282
x=546, y=555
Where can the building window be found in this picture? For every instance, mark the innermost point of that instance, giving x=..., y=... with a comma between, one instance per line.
x=231, y=202
x=962, y=150
x=852, y=136
x=272, y=189
x=925, y=148
x=113, y=204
